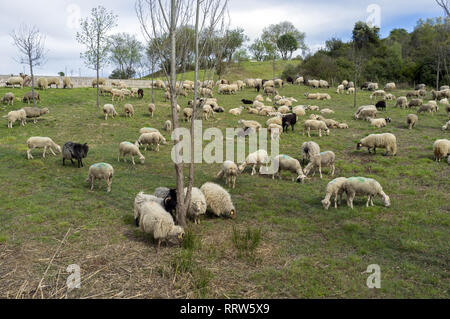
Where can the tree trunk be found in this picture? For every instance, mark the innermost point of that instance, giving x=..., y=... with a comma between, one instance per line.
x=32, y=82
x=438, y=71
x=179, y=167
x=153, y=79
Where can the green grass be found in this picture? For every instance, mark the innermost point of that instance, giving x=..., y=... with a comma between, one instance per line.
x=303, y=251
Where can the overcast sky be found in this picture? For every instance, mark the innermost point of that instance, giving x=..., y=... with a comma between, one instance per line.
x=319, y=19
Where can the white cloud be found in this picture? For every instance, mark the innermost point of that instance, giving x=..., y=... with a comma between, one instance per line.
x=319, y=19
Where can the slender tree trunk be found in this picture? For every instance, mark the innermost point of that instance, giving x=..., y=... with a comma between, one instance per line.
x=438, y=71
x=273, y=68
x=32, y=82
x=153, y=79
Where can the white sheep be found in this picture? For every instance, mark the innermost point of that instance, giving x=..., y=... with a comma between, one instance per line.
x=230, y=172
x=299, y=110
x=8, y=98
x=101, y=171
x=324, y=159
x=362, y=186
x=351, y=91
x=411, y=120
x=379, y=123
x=151, y=109
x=327, y=112
x=316, y=125
x=287, y=163
x=390, y=86
x=275, y=120
x=154, y=139
x=235, y=112
x=129, y=110
x=218, y=201
x=366, y=112
x=129, y=149
x=309, y=149
x=168, y=126
x=15, y=80
x=441, y=149
x=42, y=142
x=374, y=141
x=148, y=130
x=14, y=116
x=198, y=206
x=343, y=126
x=334, y=188
x=255, y=159
x=340, y=89
x=446, y=126
x=109, y=110
x=156, y=221
x=402, y=102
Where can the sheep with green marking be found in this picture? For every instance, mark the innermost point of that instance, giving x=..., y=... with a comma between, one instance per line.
x=334, y=188
x=129, y=149
x=361, y=186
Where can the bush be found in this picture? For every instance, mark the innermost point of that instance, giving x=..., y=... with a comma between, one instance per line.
x=290, y=71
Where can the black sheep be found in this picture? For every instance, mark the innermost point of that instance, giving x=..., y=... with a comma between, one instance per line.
x=258, y=88
x=247, y=102
x=365, y=86
x=141, y=93
x=289, y=120
x=290, y=80
x=76, y=151
x=381, y=105
x=170, y=203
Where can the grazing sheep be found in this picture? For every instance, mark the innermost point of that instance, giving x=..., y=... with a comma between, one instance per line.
x=188, y=113
x=437, y=95
x=415, y=103
x=168, y=126
x=413, y=94
x=155, y=220
x=250, y=124
x=444, y=88
x=314, y=83
x=284, y=110
x=411, y=121
x=390, y=86
x=101, y=171
x=28, y=97
x=42, y=83
x=327, y=112
x=218, y=201
x=151, y=139
x=379, y=93
x=287, y=163
x=197, y=207
x=208, y=112
x=289, y=120
x=340, y=89
x=270, y=90
x=343, y=126
x=316, y=125
x=13, y=81
x=309, y=149
x=151, y=109
x=14, y=116
x=71, y=151
x=334, y=188
x=67, y=83
x=256, y=159
x=313, y=108
x=275, y=131
x=324, y=159
x=372, y=86
x=117, y=93
x=235, y=112
x=351, y=91
x=331, y=123
x=42, y=142
x=441, y=149
x=142, y=198
x=362, y=186
x=34, y=112
x=129, y=149
x=299, y=110
x=390, y=97
x=148, y=130
x=420, y=87
x=402, y=102
x=428, y=108
x=381, y=105
x=109, y=110
x=8, y=98
x=379, y=123
x=374, y=141
x=230, y=172
x=129, y=110
x=101, y=81
x=446, y=126
x=366, y=112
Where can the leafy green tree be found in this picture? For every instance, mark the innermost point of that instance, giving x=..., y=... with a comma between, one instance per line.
x=126, y=54
x=286, y=45
x=258, y=50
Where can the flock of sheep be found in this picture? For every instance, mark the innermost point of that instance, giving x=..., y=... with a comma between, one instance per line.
x=155, y=214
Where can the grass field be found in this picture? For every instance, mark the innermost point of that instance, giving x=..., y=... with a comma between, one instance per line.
x=282, y=245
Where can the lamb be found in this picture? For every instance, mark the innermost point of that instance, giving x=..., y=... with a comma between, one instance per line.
x=67, y=83
x=428, y=108
x=188, y=113
x=151, y=109
x=287, y=163
x=299, y=110
x=379, y=123
x=411, y=121
x=156, y=221
x=324, y=159
x=351, y=91
x=28, y=97
x=256, y=159
x=380, y=93
x=197, y=206
x=229, y=171
x=71, y=151
x=415, y=103
x=129, y=149
x=334, y=188
x=364, y=186
x=34, y=112
x=340, y=89
x=441, y=149
x=13, y=81
x=374, y=141
x=14, y=116
x=218, y=201
x=151, y=139
x=109, y=110
x=402, y=102
x=446, y=126
x=8, y=98
x=129, y=110
x=316, y=125
x=309, y=150
x=207, y=112
x=41, y=142
x=327, y=112
x=168, y=126
x=289, y=120
x=390, y=86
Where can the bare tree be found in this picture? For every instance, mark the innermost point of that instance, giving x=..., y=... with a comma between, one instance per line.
x=30, y=43
x=166, y=18
x=444, y=4
x=94, y=36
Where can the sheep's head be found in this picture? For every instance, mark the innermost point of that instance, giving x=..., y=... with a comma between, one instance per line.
x=58, y=148
x=176, y=235
x=386, y=201
x=231, y=214
x=85, y=150
x=142, y=159
x=45, y=111
x=327, y=131
x=388, y=120
x=359, y=146
x=326, y=204
x=302, y=178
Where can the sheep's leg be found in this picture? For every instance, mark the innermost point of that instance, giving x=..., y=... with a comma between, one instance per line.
x=132, y=159
x=368, y=201
x=320, y=171
x=335, y=200
x=29, y=154
x=333, y=170
x=108, y=183
x=92, y=183
x=64, y=161
x=51, y=151
x=45, y=151
x=254, y=170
